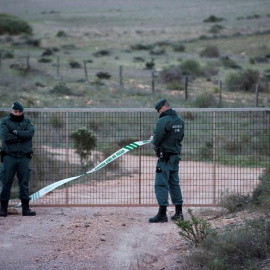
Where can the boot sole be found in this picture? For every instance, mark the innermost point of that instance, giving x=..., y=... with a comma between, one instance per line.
x=158, y=221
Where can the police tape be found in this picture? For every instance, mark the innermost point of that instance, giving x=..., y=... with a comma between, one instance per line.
x=108, y=160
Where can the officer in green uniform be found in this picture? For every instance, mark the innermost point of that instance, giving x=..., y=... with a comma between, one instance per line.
x=168, y=135
x=17, y=133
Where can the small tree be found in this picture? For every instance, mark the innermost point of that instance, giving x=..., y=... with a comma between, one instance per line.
x=84, y=142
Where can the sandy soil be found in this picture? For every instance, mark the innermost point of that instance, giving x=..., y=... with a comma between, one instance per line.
x=90, y=238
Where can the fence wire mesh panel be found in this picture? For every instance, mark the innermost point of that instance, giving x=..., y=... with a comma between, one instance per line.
x=224, y=151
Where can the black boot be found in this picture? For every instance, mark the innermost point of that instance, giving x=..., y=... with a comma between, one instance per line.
x=178, y=213
x=161, y=215
x=4, y=207
x=26, y=211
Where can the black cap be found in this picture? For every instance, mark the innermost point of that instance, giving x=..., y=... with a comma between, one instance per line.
x=160, y=103
x=17, y=106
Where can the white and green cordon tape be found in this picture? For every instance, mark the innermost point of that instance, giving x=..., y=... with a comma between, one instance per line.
x=108, y=160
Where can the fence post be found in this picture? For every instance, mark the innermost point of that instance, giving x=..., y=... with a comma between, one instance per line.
x=140, y=159
x=214, y=158
x=85, y=71
x=27, y=62
x=220, y=92
x=57, y=68
x=186, y=87
x=257, y=95
x=153, y=81
x=67, y=156
x=121, y=77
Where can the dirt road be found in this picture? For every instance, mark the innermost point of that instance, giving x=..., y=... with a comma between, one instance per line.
x=89, y=238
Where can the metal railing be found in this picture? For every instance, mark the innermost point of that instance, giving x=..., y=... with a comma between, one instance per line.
x=224, y=151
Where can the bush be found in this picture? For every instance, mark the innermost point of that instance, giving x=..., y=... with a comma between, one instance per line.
x=210, y=51
x=191, y=67
x=150, y=65
x=13, y=25
x=61, y=34
x=143, y=47
x=241, y=248
x=44, y=60
x=245, y=81
x=213, y=19
x=33, y=42
x=171, y=74
x=205, y=100
x=103, y=75
x=61, y=89
x=195, y=230
x=261, y=194
x=74, y=64
x=234, y=202
x=215, y=29
x=84, y=143
x=102, y=53
x=6, y=54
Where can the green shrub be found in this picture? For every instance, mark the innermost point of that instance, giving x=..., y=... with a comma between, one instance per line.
x=261, y=194
x=195, y=230
x=44, y=60
x=234, y=202
x=103, y=75
x=210, y=51
x=241, y=248
x=205, y=100
x=213, y=19
x=84, y=143
x=74, y=64
x=6, y=54
x=150, y=65
x=245, y=81
x=61, y=34
x=191, y=67
x=61, y=88
x=102, y=53
x=143, y=47
x=215, y=29
x=13, y=25
x=171, y=74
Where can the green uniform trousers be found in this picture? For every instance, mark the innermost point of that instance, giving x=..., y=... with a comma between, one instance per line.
x=10, y=167
x=167, y=181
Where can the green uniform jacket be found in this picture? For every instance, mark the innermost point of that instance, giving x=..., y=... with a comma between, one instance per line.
x=20, y=144
x=169, y=132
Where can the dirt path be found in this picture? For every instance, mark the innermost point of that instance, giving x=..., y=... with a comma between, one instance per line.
x=89, y=238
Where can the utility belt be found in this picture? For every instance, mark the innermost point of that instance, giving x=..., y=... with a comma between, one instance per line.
x=3, y=154
x=164, y=156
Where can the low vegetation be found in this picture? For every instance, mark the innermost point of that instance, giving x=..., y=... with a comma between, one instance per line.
x=13, y=25
x=239, y=245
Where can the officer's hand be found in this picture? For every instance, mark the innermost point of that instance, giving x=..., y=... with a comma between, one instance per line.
x=151, y=138
x=15, y=132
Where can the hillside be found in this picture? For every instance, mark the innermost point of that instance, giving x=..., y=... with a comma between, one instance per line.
x=71, y=45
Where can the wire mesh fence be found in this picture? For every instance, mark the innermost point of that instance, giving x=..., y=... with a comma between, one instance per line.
x=224, y=151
